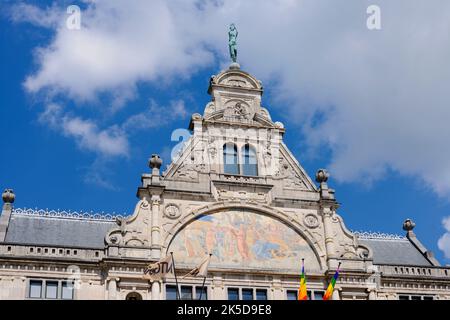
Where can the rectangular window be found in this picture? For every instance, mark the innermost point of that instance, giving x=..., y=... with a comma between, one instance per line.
x=401, y=297
x=428, y=298
x=51, y=289
x=67, y=290
x=35, y=289
x=247, y=294
x=186, y=293
x=291, y=294
x=416, y=298
x=171, y=292
x=261, y=294
x=198, y=292
x=318, y=295
x=233, y=294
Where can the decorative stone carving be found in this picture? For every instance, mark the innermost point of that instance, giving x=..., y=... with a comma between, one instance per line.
x=212, y=150
x=263, y=112
x=311, y=221
x=186, y=172
x=210, y=108
x=285, y=171
x=172, y=211
x=238, y=110
x=242, y=195
x=132, y=231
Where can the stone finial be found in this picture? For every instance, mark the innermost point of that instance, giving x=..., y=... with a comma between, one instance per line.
x=408, y=225
x=196, y=117
x=155, y=162
x=8, y=196
x=322, y=176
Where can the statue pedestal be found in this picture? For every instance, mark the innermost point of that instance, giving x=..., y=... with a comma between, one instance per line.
x=235, y=66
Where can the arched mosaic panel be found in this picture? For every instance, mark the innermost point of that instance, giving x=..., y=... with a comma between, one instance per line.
x=243, y=239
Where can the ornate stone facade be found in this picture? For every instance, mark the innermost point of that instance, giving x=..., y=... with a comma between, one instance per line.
x=257, y=226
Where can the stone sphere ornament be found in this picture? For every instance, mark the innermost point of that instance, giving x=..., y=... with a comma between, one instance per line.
x=322, y=175
x=8, y=196
x=408, y=225
x=155, y=161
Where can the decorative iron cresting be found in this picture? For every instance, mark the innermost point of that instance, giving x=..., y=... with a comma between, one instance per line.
x=63, y=214
x=378, y=235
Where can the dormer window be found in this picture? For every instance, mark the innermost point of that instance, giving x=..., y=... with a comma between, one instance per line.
x=230, y=159
x=250, y=163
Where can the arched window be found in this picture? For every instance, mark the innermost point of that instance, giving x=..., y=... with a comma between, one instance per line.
x=133, y=296
x=250, y=165
x=230, y=159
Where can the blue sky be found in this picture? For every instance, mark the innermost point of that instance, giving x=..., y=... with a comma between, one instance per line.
x=319, y=88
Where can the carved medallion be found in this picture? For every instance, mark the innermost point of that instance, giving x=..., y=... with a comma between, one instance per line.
x=311, y=221
x=172, y=211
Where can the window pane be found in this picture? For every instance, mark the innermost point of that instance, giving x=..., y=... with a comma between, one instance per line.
x=403, y=297
x=51, y=289
x=233, y=294
x=261, y=294
x=291, y=294
x=250, y=166
x=67, y=290
x=186, y=293
x=230, y=159
x=318, y=295
x=427, y=298
x=204, y=295
x=416, y=298
x=171, y=292
x=35, y=288
x=247, y=294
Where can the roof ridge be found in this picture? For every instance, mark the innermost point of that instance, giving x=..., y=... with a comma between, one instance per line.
x=64, y=214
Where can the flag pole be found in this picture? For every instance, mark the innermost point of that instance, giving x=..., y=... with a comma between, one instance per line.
x=176, y=280
x=203, y=286
x=204, y=280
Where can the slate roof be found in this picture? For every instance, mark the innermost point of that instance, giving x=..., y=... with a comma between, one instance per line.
x=58, y=231
x=81, y=232
x=395, y=252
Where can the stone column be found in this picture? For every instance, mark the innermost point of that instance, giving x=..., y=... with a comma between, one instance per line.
x=328, y=206
x=156, y=232
x=335, y=295
x=372, y=294
x=112, y=289
x=156, y=290
x=8, y=197
x=328, y=232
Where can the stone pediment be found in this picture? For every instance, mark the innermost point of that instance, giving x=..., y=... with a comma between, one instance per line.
x=236, y=79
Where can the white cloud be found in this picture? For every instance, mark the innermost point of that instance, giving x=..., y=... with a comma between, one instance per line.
x=118, y=46
x=156, y=116
x=48, y=18
x=107, y=142
x=444, y=241
x=383, y=95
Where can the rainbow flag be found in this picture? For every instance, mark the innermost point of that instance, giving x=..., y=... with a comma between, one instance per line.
x=330, y=288
x=302, y=294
